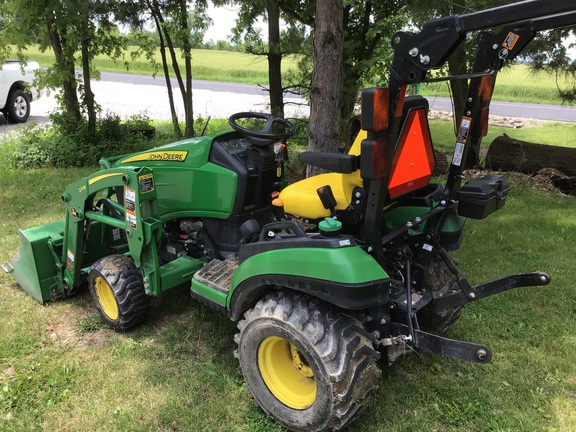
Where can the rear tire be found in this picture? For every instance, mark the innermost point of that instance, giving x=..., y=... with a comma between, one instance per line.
x=118, y=292
x=309, y=366
x=18, y=107
x=438, y=282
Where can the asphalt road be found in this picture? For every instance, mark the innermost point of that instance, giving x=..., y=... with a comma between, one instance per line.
x=509, y=109
x=215, y=86
x=517, y=109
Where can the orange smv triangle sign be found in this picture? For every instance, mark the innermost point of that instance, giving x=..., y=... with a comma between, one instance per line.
x=413, y=161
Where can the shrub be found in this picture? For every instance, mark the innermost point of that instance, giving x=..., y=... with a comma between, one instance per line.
x=63, y=144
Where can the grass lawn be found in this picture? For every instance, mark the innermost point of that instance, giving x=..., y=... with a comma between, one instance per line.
x=62, y=370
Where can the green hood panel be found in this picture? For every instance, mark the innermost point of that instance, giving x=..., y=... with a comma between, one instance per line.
x=190, y=153
x=346, y=265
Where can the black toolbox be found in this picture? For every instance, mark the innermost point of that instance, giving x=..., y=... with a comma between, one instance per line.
x=482, y=196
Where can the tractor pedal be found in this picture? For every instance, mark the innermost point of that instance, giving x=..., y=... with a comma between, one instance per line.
x=217, y=274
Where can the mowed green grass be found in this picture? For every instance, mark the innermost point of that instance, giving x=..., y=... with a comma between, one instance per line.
x=62, y=370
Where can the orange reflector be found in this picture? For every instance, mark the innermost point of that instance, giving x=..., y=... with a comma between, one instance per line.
x=275, y=194
x=277, y=202
x=374, y=158
x=400, y=102
x=483, y=124
x=413, y=161
x=374, y=109
x=485, y=89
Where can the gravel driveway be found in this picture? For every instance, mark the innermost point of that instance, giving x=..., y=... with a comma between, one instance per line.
x=127, y=100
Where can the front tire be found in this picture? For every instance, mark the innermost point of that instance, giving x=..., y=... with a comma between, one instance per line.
x=118, y=292
x=18, y=107
x=309, y=366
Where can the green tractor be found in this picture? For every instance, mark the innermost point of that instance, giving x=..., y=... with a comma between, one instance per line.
x=326, y=276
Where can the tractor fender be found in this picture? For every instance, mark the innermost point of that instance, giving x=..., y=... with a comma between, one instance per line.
x=346, y=277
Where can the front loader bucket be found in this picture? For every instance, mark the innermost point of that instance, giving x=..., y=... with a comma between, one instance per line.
x=37, y=264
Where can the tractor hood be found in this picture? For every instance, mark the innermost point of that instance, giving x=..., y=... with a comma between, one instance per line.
x=191, y=153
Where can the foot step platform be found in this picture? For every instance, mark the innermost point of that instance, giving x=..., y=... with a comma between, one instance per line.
x=217, y=274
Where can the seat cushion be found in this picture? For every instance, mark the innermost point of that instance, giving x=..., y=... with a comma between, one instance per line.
x=302, y=200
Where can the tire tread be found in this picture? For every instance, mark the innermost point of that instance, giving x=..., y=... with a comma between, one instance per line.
x=341, y=341
x=126, y=282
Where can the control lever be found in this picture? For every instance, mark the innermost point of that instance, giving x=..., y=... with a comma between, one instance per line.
x=327, y=197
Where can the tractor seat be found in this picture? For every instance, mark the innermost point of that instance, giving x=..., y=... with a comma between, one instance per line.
x=411, y=167
x=301, y=198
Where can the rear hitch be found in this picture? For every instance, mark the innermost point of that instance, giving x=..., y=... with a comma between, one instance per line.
x=459, y=350
x=469, y=293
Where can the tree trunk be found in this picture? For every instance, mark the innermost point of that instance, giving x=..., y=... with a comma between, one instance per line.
x=160, y=23
x=88, y=94
x=187, y=53
x=325, y=108
x=66, y=66
x=275, y=59
x=459, y=88
x=174, y=116
x=508, y=154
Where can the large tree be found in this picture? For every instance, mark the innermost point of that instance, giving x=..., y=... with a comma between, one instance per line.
x=326, y=95
x=367, y=28
x=280, y=43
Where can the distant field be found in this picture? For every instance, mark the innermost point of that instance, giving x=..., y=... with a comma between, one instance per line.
x=213, y=65
x=550, y=133
x=516, y=83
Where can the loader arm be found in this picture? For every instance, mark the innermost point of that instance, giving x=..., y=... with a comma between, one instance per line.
x=415, y=54
x=134, y=218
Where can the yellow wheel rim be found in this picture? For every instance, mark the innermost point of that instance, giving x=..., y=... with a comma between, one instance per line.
x=106, y=298
x=286, y=373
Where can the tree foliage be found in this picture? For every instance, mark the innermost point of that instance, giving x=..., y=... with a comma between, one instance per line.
x=79, y=31
x=549, y=53
x=76, y=32
x=179, y=28
x=286, y=36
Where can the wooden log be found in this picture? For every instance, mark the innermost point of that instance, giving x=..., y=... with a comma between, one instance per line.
x=508, y=154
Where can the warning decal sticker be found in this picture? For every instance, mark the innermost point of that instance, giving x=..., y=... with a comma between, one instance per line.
x=69, y=260
x=146, y=183
x=510, y=41
x=458, y=152
x=464, y=129
x=130, y=204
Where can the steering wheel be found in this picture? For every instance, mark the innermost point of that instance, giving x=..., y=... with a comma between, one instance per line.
x=266, y=135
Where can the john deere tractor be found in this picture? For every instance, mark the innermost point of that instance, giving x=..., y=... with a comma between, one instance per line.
x=325, y=277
